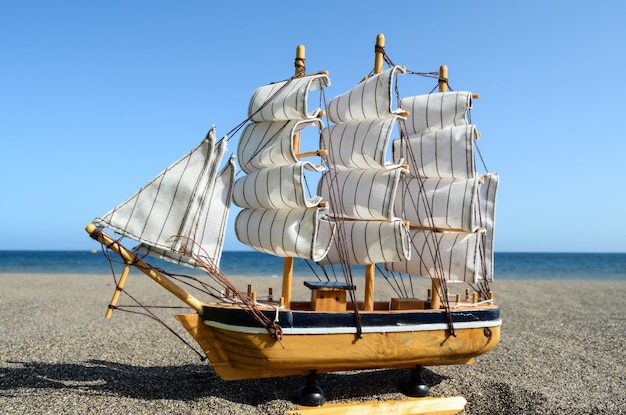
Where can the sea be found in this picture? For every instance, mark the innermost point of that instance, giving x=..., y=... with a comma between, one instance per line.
x=508, y=265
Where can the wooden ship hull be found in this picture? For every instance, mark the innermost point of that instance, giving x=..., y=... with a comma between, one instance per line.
x=320, y=335
x=240, y=348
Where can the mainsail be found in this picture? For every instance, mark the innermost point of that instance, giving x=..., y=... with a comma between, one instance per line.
x=450, y=207
x=183, y=211
x=360, y=185
x=277, y=217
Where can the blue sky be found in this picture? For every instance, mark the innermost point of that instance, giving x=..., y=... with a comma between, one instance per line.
x=98, y=97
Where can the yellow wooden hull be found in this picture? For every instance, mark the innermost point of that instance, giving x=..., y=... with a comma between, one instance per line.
x=238, y=355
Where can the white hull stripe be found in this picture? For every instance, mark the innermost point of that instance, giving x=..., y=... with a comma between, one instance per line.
x=352, y=330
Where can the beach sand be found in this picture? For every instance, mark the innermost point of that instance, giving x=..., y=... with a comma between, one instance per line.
x=562, y=352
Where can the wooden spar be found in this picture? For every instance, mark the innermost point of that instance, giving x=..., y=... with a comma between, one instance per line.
x=288, y=262
x=118, y=290
x=319, y=153
x=151, y=272
x=370, y=270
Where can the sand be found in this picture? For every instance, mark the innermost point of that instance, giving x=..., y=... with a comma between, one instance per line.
x=562, y=351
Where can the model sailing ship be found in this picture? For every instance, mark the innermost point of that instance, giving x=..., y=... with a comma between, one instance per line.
x=426, y=213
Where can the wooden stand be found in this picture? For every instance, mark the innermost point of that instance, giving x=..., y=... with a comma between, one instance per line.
x=432, y=406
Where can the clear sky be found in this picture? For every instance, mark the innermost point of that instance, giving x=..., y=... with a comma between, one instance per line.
x=97, y=97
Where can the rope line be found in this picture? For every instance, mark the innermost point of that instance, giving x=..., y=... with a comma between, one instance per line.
x=146, y=309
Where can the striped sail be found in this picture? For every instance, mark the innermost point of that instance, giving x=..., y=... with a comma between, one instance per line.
x=182, y=210
x=360, y=185
x=277, y=217
x=450, y=207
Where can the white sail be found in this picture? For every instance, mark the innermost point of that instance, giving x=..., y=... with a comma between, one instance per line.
x=286, y=100
x=360, y=194
x=184, y=208
x=275, y=188
x=453, y=255
x=370, y=99
x=440, y=153
x=285, y=232
x=269, y=144
x=487, y=216
x=450, y=207
x=369, y=242
x=360, y=185
x=432, y=112
x=278, y=217
x=359, y=144
x=439, y=203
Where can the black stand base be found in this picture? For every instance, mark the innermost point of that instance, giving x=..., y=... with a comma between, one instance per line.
x=311, y=394
x=414, y=385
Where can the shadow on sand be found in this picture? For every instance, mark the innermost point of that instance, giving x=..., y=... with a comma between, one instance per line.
x=191, y=382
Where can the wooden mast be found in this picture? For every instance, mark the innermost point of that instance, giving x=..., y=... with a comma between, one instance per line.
x=288, y=262
x=435, y=301
x=370, y=270
x=379, y=56
x=443, y=78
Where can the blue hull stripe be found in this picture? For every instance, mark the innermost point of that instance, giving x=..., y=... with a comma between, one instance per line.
x=308, y=319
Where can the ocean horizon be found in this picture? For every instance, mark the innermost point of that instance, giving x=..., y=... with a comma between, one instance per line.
x=508, y=265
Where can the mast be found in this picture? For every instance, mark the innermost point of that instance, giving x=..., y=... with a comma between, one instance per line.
x=443, y=78
x=370, y=270
x=436, y=284
x=379, y=55
x=288, y=262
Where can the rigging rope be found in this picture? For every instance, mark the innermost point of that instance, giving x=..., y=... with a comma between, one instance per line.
x=433, y=245
x=341, y=242
x=147, y=312
x=245, y=302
